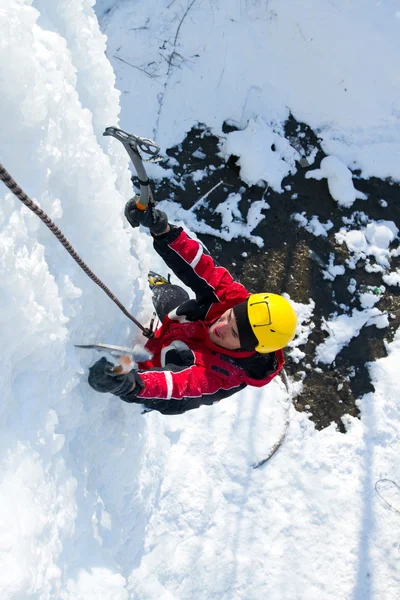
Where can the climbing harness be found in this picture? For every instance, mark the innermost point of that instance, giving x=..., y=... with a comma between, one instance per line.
x=132, y=144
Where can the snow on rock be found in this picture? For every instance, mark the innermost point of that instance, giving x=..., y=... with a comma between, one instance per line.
x=313, y=225
x=372, y=240
x=368, y=299
x=340, y=181
x=352, y=286
x=264, y=154
x=333, y=270
x=374, y=150
x=198, y=175
x=304, y=328
x=341, y=329
x=233, y=223
x=381, y=234
x=392, y=278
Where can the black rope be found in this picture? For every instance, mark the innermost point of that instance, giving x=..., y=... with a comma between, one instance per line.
x=20, y=194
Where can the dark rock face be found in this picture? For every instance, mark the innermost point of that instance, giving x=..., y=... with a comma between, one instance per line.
x=293, y=259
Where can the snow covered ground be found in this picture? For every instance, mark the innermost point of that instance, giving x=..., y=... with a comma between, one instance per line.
x=97, y=501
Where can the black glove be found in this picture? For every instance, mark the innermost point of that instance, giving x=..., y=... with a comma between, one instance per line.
x=193, y=310
x=156, y=220
x=102, y=379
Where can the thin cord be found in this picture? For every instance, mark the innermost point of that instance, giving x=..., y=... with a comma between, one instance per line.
x=380, y=495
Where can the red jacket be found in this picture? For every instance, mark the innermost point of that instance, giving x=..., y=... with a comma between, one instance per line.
x=210, y=372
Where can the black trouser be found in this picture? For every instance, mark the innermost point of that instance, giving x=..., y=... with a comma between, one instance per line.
x=167, y=297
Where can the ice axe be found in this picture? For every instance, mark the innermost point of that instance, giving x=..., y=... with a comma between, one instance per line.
x=133, y=144
x=123, y=355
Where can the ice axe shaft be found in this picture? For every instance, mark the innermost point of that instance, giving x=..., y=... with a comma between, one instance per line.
x=120, y=352
x=132, y=144
x=117, y=350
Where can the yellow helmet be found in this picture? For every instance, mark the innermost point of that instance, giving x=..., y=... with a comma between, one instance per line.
x=272, y=319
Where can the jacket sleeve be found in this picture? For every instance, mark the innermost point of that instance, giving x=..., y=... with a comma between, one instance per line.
x=186, y=382
x=191, y=263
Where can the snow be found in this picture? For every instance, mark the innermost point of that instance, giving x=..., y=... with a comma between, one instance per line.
x=341, y=329
x=352, y=286
x=340, y=181
x=304, y=314
x=264, y=154
x=313, y=225
x=368, y=299
x=372, y=240
x=233, y=224
x=333, y=270
x=97, y=501
x=392, y=278
x=285, y=58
